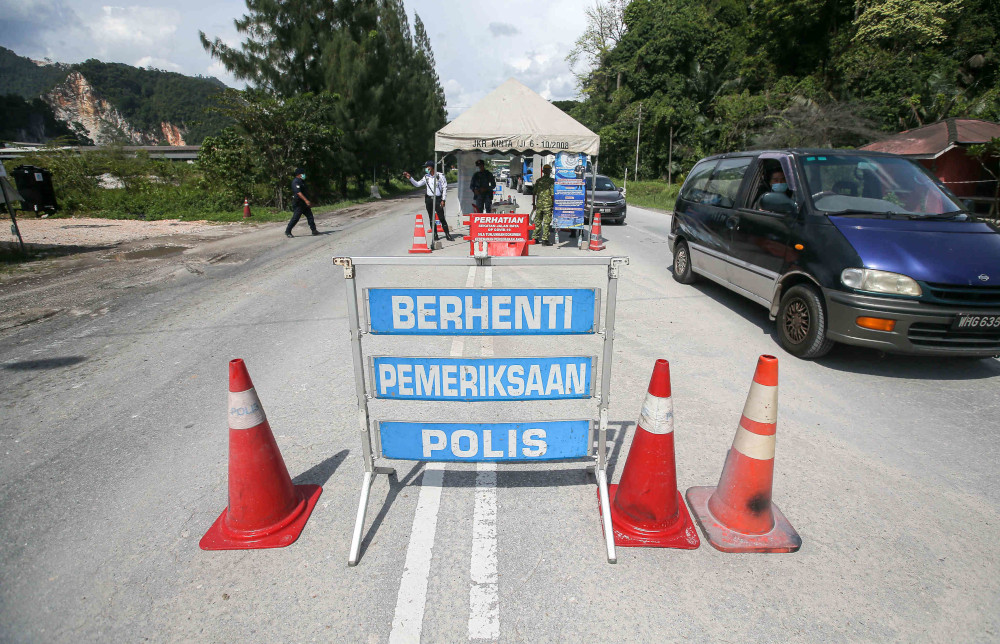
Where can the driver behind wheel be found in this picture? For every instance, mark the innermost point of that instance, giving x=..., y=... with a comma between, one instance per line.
x=775, y=183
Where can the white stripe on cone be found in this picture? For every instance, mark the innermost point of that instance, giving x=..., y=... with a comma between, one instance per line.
x=754, y=446
x=762, y=403
x=245, y=410
x=657, y=415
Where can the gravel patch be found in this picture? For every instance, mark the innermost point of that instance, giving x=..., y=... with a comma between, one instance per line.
x=86, y=231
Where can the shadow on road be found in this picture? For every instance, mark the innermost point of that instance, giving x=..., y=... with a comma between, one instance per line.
x=854, y=359
x=541, y=477
x=44, y=363
x=320, y=473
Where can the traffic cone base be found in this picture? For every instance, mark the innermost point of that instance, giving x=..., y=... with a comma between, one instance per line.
x=265, y=509
x=681, y=534
x=222, y=537
x=419, y=236
x=781, y=538
x=647, y=509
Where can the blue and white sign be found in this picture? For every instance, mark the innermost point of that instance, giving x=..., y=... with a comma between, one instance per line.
x=467, y=311
x=532, y=441
x=475, y=379
x=569, y=190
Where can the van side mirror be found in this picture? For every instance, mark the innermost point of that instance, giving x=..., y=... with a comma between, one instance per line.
x=777, y=202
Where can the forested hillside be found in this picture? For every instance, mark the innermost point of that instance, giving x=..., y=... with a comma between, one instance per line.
x=727, y=74
x=145, y=97
x=25, y=78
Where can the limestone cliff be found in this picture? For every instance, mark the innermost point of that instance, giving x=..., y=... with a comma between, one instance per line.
x=75, y=102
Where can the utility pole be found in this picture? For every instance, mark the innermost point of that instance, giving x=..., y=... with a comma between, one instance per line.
x=670, y=156
x=638, y=130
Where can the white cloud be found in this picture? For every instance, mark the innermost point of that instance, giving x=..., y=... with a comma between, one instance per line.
x=144, y=27
x=158, y=63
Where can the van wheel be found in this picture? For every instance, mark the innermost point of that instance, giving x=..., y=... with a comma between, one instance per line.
x=682, y=264
x=802, y=323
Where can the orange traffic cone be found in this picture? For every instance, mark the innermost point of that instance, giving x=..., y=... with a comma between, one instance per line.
x=646, y=506
x=265, y=509
x=419, y=236
x=738, y=515
x=596, y=241
x=246, y=209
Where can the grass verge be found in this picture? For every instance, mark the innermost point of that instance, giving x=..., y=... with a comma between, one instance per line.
x=650, y=194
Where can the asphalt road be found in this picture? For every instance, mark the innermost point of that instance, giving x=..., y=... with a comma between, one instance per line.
x=113, y=448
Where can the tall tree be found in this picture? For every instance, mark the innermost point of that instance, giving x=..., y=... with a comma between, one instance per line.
x=361, y=50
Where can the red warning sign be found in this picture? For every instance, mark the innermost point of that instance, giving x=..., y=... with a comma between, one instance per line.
x=493, y=227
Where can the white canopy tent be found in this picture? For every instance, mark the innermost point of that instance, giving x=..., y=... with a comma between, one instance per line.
x=513, y=119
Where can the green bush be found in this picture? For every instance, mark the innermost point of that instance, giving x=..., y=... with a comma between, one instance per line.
x=651, y=194
x=111, y=184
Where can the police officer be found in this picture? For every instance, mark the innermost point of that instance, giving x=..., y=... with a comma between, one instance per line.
x=542, y=196
x=301, y=203
x=435, y=187
x=483, y=183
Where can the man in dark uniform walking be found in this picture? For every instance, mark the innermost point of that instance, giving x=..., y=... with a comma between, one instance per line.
x=482, y=186
x=301, y=204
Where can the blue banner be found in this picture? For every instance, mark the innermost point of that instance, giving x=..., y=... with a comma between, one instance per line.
x=569, y=190
x=473, y=379
x=533, y=441
x=468, y=311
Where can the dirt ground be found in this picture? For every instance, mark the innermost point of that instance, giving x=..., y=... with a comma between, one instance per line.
x=92, y=232
x=87, y=264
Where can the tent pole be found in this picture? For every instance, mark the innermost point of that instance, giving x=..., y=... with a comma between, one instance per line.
x=434, y=209
x=593, y=187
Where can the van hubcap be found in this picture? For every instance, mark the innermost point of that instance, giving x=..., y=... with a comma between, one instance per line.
x=682, y=260
x=796, y=321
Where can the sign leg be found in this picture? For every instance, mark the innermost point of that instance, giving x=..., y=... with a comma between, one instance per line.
x=359, y=523
x=609, y=535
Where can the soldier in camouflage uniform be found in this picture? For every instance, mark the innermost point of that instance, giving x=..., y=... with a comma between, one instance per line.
x=542, y=196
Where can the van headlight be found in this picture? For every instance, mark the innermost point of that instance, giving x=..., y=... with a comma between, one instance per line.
x=866, y=279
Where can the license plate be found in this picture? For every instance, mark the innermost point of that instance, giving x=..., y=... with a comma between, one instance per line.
x=604, y=210
x=976, y=323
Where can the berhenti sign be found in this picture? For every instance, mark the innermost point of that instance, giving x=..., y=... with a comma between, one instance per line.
x=463, y=311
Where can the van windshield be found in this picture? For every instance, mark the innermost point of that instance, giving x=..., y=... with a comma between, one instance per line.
x=856, y=184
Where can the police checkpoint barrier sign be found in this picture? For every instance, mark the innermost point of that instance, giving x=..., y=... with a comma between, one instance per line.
x=401, y=311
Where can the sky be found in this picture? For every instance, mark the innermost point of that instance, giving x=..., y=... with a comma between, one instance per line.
x=477, y=44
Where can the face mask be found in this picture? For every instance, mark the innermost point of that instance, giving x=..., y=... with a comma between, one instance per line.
x=303, y=176
x=779, y=187
x=427, y=170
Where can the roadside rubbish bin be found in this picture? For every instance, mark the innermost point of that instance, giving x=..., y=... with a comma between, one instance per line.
x=35, y=186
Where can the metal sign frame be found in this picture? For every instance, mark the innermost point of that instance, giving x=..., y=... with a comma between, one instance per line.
x=365, y=426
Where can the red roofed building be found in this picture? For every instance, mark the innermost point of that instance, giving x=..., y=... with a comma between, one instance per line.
x=941, y=148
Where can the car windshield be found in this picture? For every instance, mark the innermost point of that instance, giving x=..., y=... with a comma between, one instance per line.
x=856, y=184
x=603, y=184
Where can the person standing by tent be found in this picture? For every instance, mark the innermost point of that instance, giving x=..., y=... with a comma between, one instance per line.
x=435, y=187
x=542, y=197
x=483, y=183
x=301, y=204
